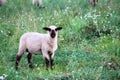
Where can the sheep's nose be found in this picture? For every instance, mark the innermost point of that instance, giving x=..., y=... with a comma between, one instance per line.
x=53, y=34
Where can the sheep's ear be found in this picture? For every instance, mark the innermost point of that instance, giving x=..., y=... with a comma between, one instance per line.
x=58, y=28
x=47, y=29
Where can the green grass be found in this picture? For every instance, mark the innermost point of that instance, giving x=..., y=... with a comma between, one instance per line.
x=85, y=47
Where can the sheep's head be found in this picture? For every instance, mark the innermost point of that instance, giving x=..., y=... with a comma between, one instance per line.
x=52, y=30
x=93, y=2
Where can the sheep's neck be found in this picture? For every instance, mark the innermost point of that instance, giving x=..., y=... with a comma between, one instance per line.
x=52, y=42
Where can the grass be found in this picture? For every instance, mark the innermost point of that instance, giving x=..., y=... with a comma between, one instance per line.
x=88, y=43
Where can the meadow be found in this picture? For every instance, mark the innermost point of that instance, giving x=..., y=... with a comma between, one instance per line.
x=88, y=44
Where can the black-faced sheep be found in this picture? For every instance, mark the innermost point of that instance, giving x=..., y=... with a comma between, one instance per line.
x=2, y=2
x=36, y=43
x=38, y=2
x=93, y=2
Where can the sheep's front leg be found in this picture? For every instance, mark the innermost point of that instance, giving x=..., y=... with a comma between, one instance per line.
x=47, y=58
x=51, y=64
x=51, y=59
x=29, y=56
x=47, y=63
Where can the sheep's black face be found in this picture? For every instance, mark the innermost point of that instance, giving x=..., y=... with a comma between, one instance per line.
x=52, y=31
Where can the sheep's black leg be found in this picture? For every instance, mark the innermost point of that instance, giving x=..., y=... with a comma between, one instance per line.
x=51, y=60
x=29, y=56
x=47, y=63
x=18, y=57
x=51, y=63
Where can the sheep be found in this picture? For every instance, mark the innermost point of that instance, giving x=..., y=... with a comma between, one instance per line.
x=93, y=2
x=2, y=2
x=38, y=2
x=36, y=43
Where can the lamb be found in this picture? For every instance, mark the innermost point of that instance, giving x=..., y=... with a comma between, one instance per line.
x=36, y=43
x=2, y=2
x=93, y=2
x=38, y=2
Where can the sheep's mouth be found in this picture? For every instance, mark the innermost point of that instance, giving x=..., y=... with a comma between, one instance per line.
x=53, y=35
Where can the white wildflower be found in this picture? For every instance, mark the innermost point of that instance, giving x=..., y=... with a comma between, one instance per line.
x=3, y=77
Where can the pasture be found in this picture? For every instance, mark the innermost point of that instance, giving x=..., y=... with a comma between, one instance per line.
x=88, y=44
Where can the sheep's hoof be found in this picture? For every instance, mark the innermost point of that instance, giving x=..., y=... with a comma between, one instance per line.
x=47, y=68
x=53, y=67
x=16, y=67
x=41, y=7
x=31, y=66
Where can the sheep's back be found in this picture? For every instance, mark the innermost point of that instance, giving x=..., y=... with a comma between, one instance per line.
x=33, y=41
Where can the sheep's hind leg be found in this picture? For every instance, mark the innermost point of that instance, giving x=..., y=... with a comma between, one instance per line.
x=29, y=56
x=18, y=57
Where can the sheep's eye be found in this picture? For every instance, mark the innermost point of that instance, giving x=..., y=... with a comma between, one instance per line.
x=49, y=30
